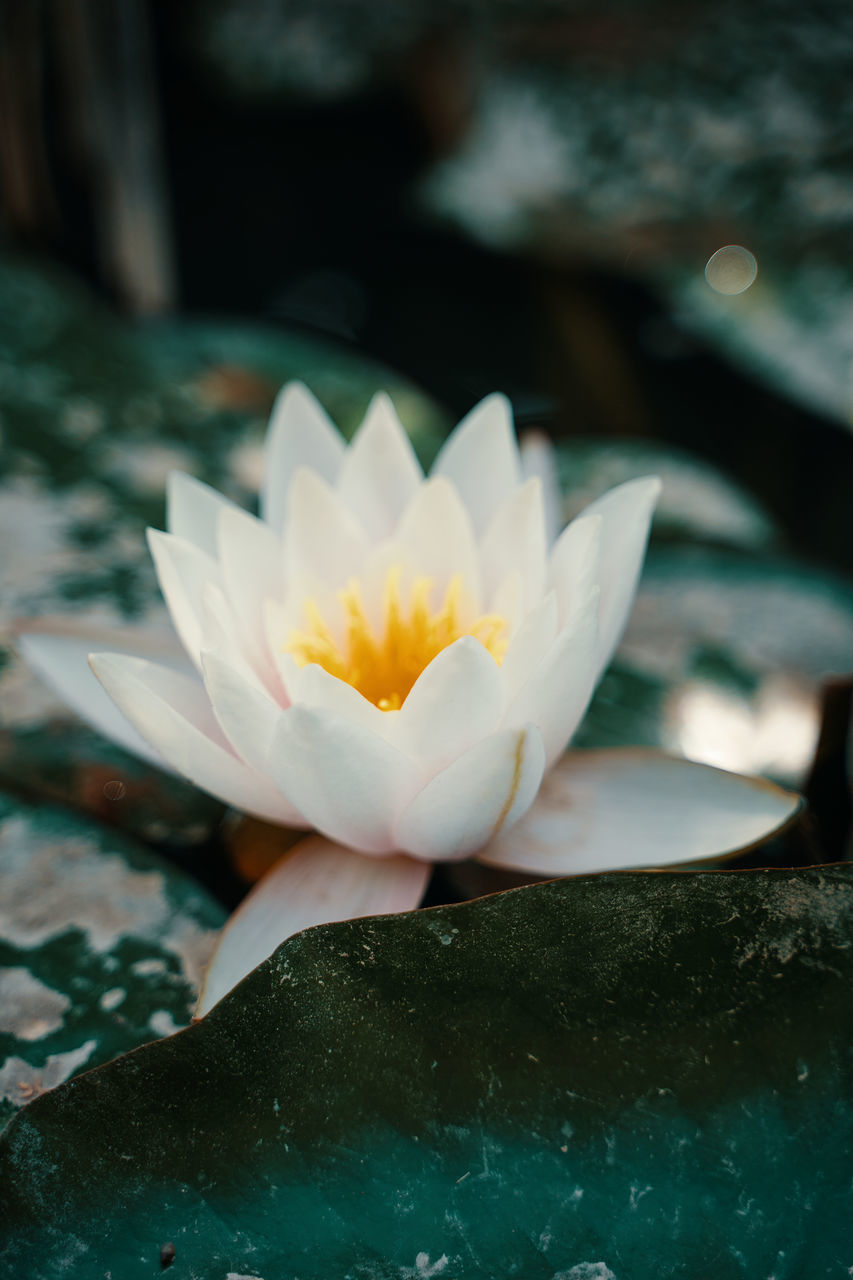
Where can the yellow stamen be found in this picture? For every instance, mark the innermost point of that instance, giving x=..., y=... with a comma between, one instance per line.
x=384, y=667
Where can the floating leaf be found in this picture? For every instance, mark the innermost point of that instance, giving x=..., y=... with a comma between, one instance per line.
x=102, y=947
x=637, y=1075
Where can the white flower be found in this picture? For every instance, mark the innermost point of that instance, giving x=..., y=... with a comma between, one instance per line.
x=396, y=662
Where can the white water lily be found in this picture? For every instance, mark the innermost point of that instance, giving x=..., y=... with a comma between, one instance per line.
x=396, y=662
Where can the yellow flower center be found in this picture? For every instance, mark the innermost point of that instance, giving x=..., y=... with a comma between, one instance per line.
x=384, y=667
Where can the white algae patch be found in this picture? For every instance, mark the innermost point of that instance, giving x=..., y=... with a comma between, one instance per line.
x=48, y=886
x=20, y=1082
x=28, y=1008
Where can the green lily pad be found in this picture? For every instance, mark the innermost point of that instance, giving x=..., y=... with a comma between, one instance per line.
x=723, y=660
x=102, y=948
x=639, y=1075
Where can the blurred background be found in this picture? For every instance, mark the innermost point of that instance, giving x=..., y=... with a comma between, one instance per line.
x=634, y=219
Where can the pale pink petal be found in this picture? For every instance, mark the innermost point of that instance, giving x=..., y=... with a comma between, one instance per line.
x=380, y=472
x=626, y=514
x=558, y=691
x=466, y=805
x=574, y=566
x=538, y=459
x=324, y=543
x=251, y=561
x=481, y=459
x=515, y=541
x=183, y=572
x=58, y=651
x=300, y=434
x=347, y=781
x=173, y=714
x=608, y=810
x=529, y=646
x=193, y=509
x=456, y=700
x=436, y=538
x=316, y=882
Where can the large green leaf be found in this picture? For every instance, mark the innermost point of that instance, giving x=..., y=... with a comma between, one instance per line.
x=102, y=948
x=632, y=1076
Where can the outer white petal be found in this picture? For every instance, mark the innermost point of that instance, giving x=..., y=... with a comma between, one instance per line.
x=173, y=714
x=193, y=509
x=324, y=543
x=573, y=570
x=538, y=459
x=380, y=472
x=481, y=459
x=247, y=715
x=557, y=694
x=251, y=561
x=466, y=805
x=455, y=701
x=529, y=646
x=515, y=540
x=59, y=653
x=626, y=514
x=183, y=572
x=435, y=536
x=348, y=782
x=300, y=434
x=316, y=882
x=605, y=810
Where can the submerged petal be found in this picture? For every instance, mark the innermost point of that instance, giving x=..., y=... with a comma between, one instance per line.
x=607, y=810
x=316, y=882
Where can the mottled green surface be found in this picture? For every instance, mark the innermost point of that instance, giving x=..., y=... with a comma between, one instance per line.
x=631, y=1076
x=102, y=947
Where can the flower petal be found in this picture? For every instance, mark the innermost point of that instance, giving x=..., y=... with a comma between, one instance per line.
x=436, y=538
x=193, y=509
x=246, y=714
x=251, y=559
x=312, y=686
x=529, y=646
x=300, y=434
x=348, y=782
x=605, y=810
x=466, y=805
x=481, y=459
x=59, y=653
x=455, y=701
x=380, y=473
x=515, y=540
x=573, y=569
x=626, y=514
x=538, y=459
x=173, y=714
x=556, y=695
x=324, y=544
x=316, y=882
x=183, y=571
